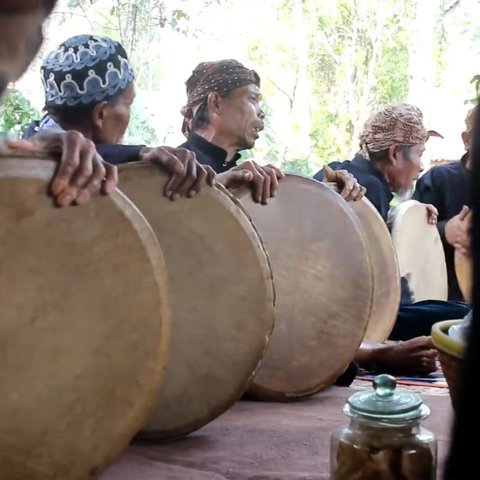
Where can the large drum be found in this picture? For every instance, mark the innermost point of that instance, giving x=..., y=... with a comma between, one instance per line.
x=222, y=296
x=420, y=251
x=386, y=272
x=324, y=286
x=84, y=327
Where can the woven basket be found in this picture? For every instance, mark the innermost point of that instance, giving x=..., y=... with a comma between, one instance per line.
x=450, y=353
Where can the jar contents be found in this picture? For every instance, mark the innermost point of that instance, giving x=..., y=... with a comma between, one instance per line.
x=384, y=455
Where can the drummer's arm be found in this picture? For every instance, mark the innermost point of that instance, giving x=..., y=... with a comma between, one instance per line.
x=187, y=175
x=118, y=154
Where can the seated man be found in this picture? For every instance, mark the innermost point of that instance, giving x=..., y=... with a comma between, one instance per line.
x=82, y=172
x=389, y=160
x=98, y=105
x=223, y=116
x=447, y=188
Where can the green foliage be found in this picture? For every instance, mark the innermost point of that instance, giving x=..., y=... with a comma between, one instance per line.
x=475, y=81
x=140, y=130
x=16, y=112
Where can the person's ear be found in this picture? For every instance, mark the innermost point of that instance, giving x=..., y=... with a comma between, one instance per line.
x=393, y=152
x=214, y=102
x=99, y=114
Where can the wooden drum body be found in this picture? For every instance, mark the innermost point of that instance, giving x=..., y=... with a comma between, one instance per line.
x=323, y=283
x=84, y=327
x=386, y=272
x=222, y=300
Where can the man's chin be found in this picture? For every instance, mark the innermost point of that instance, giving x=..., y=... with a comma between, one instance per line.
x=249, y=143
x=403, y=194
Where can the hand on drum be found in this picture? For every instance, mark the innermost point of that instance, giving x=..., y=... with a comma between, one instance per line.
x=432, y=214
x=81, y=173
x=264, y=180
x=347, y=184
x=457, y=231
x=188, y=176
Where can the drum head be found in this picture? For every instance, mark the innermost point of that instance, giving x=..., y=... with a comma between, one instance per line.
x=324, y=286
x=83, y=330
x=464, y=272
x=386, y=273
x=419, y=251
x=222, y=300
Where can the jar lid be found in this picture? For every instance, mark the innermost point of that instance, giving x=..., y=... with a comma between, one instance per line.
x=387, y=402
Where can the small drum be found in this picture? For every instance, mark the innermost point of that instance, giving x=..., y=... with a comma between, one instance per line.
x=324, y=286
x=84, y=327
x=419, y=251
x=222, y=297
x=386, y=273
x=464, y=272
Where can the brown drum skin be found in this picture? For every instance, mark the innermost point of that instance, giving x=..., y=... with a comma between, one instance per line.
x=222, y=298
x=84, y=328
x=324, y=286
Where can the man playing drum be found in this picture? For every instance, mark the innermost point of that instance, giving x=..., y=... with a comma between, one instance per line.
x=223, y=116
x=98, y=105
x=389, y=160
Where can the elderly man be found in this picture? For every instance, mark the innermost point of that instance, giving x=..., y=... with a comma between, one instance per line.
x=223, y=116
x=389, y=160
x=447, y=188
x=89, y=86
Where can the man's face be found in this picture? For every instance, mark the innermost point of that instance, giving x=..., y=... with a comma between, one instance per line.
x=407, y=167
x=20, y=39
x=240, y=118
x=116, y=115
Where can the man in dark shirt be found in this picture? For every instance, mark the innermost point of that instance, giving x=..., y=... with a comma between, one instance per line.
x=89, y=86
x=389, y=160
x=223, y=116
x=447, y=188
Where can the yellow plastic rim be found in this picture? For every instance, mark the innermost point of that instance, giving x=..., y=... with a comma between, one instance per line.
x=443, y=342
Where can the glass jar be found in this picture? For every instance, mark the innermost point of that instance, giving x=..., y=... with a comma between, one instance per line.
x=384, y=440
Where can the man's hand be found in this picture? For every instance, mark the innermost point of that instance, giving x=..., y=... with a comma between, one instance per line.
x=432, y=214
x=188, y=175
x=264, y=180
x=347, y=184
x=81, y=173
x=457, y=231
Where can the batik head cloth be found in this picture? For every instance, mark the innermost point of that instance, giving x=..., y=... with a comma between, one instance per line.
x=85, y=70
x=400, y=124
x=222, y=76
